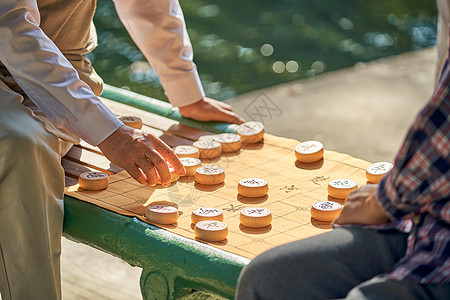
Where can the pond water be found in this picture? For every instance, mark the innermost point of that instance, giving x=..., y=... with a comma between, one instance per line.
x=240, y=46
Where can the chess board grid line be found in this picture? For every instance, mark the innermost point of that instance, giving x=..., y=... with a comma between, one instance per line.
x=234, y=215
x=108, y=204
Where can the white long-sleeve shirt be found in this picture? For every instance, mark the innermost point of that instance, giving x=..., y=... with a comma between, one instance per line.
x=50, y=81
x=158, y=29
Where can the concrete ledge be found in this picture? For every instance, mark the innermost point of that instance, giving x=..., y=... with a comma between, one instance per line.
x=363, y=111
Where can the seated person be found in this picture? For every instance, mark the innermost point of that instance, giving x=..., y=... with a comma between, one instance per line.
x=391, y=241
x=49, y=100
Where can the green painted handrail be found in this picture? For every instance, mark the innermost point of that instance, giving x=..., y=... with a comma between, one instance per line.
x=161, y=108
x=171, y=264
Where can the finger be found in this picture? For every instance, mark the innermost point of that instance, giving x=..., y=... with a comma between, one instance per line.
x=149, y=170
x=225, y=106
x=161, y=166
x=345, y=217
x=170, y=156
x=340, y=219
x=362, y=193
x=175, y=162
x=237, y=120
x=355, y=195
x=136, y=173
x=228, y=116
x=366, y=211
x=221, y=104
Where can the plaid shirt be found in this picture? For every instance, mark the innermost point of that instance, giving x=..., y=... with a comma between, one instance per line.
x=418, y=188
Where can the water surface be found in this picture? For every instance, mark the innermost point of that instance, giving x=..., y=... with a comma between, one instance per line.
x=240, y=46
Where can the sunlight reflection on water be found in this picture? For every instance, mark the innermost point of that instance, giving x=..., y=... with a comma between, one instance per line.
x=243, y=46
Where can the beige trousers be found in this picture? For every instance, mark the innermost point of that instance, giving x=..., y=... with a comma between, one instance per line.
x=31, y=203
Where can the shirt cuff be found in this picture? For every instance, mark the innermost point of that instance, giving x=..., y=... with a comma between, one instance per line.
x=97, y=125
x=387, y=194
x=184, y=91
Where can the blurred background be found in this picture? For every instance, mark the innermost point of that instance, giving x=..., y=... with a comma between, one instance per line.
x=242, y=46
x=349, y=73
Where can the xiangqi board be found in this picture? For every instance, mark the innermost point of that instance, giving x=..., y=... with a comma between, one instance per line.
x=293, y=188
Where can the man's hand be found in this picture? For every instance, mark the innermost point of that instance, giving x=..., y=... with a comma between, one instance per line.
x=362, y=207
x=211, y=110
x=142, y=155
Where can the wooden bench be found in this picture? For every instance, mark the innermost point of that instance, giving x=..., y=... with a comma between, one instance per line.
x=172, y=266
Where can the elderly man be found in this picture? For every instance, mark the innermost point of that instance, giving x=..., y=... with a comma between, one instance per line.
x=48, y=101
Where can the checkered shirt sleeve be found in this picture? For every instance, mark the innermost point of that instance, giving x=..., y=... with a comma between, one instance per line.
x=419, y=186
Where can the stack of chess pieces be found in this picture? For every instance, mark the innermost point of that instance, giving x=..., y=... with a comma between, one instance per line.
x=208, y=221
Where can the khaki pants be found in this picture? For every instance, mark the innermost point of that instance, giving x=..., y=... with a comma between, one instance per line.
x=31, y=203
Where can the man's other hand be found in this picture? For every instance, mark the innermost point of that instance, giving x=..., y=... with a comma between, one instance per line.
x=211, y=110
x=363, y=207
x=142, y=155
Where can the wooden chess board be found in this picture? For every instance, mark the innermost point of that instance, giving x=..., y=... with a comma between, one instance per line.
x=293, y=187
